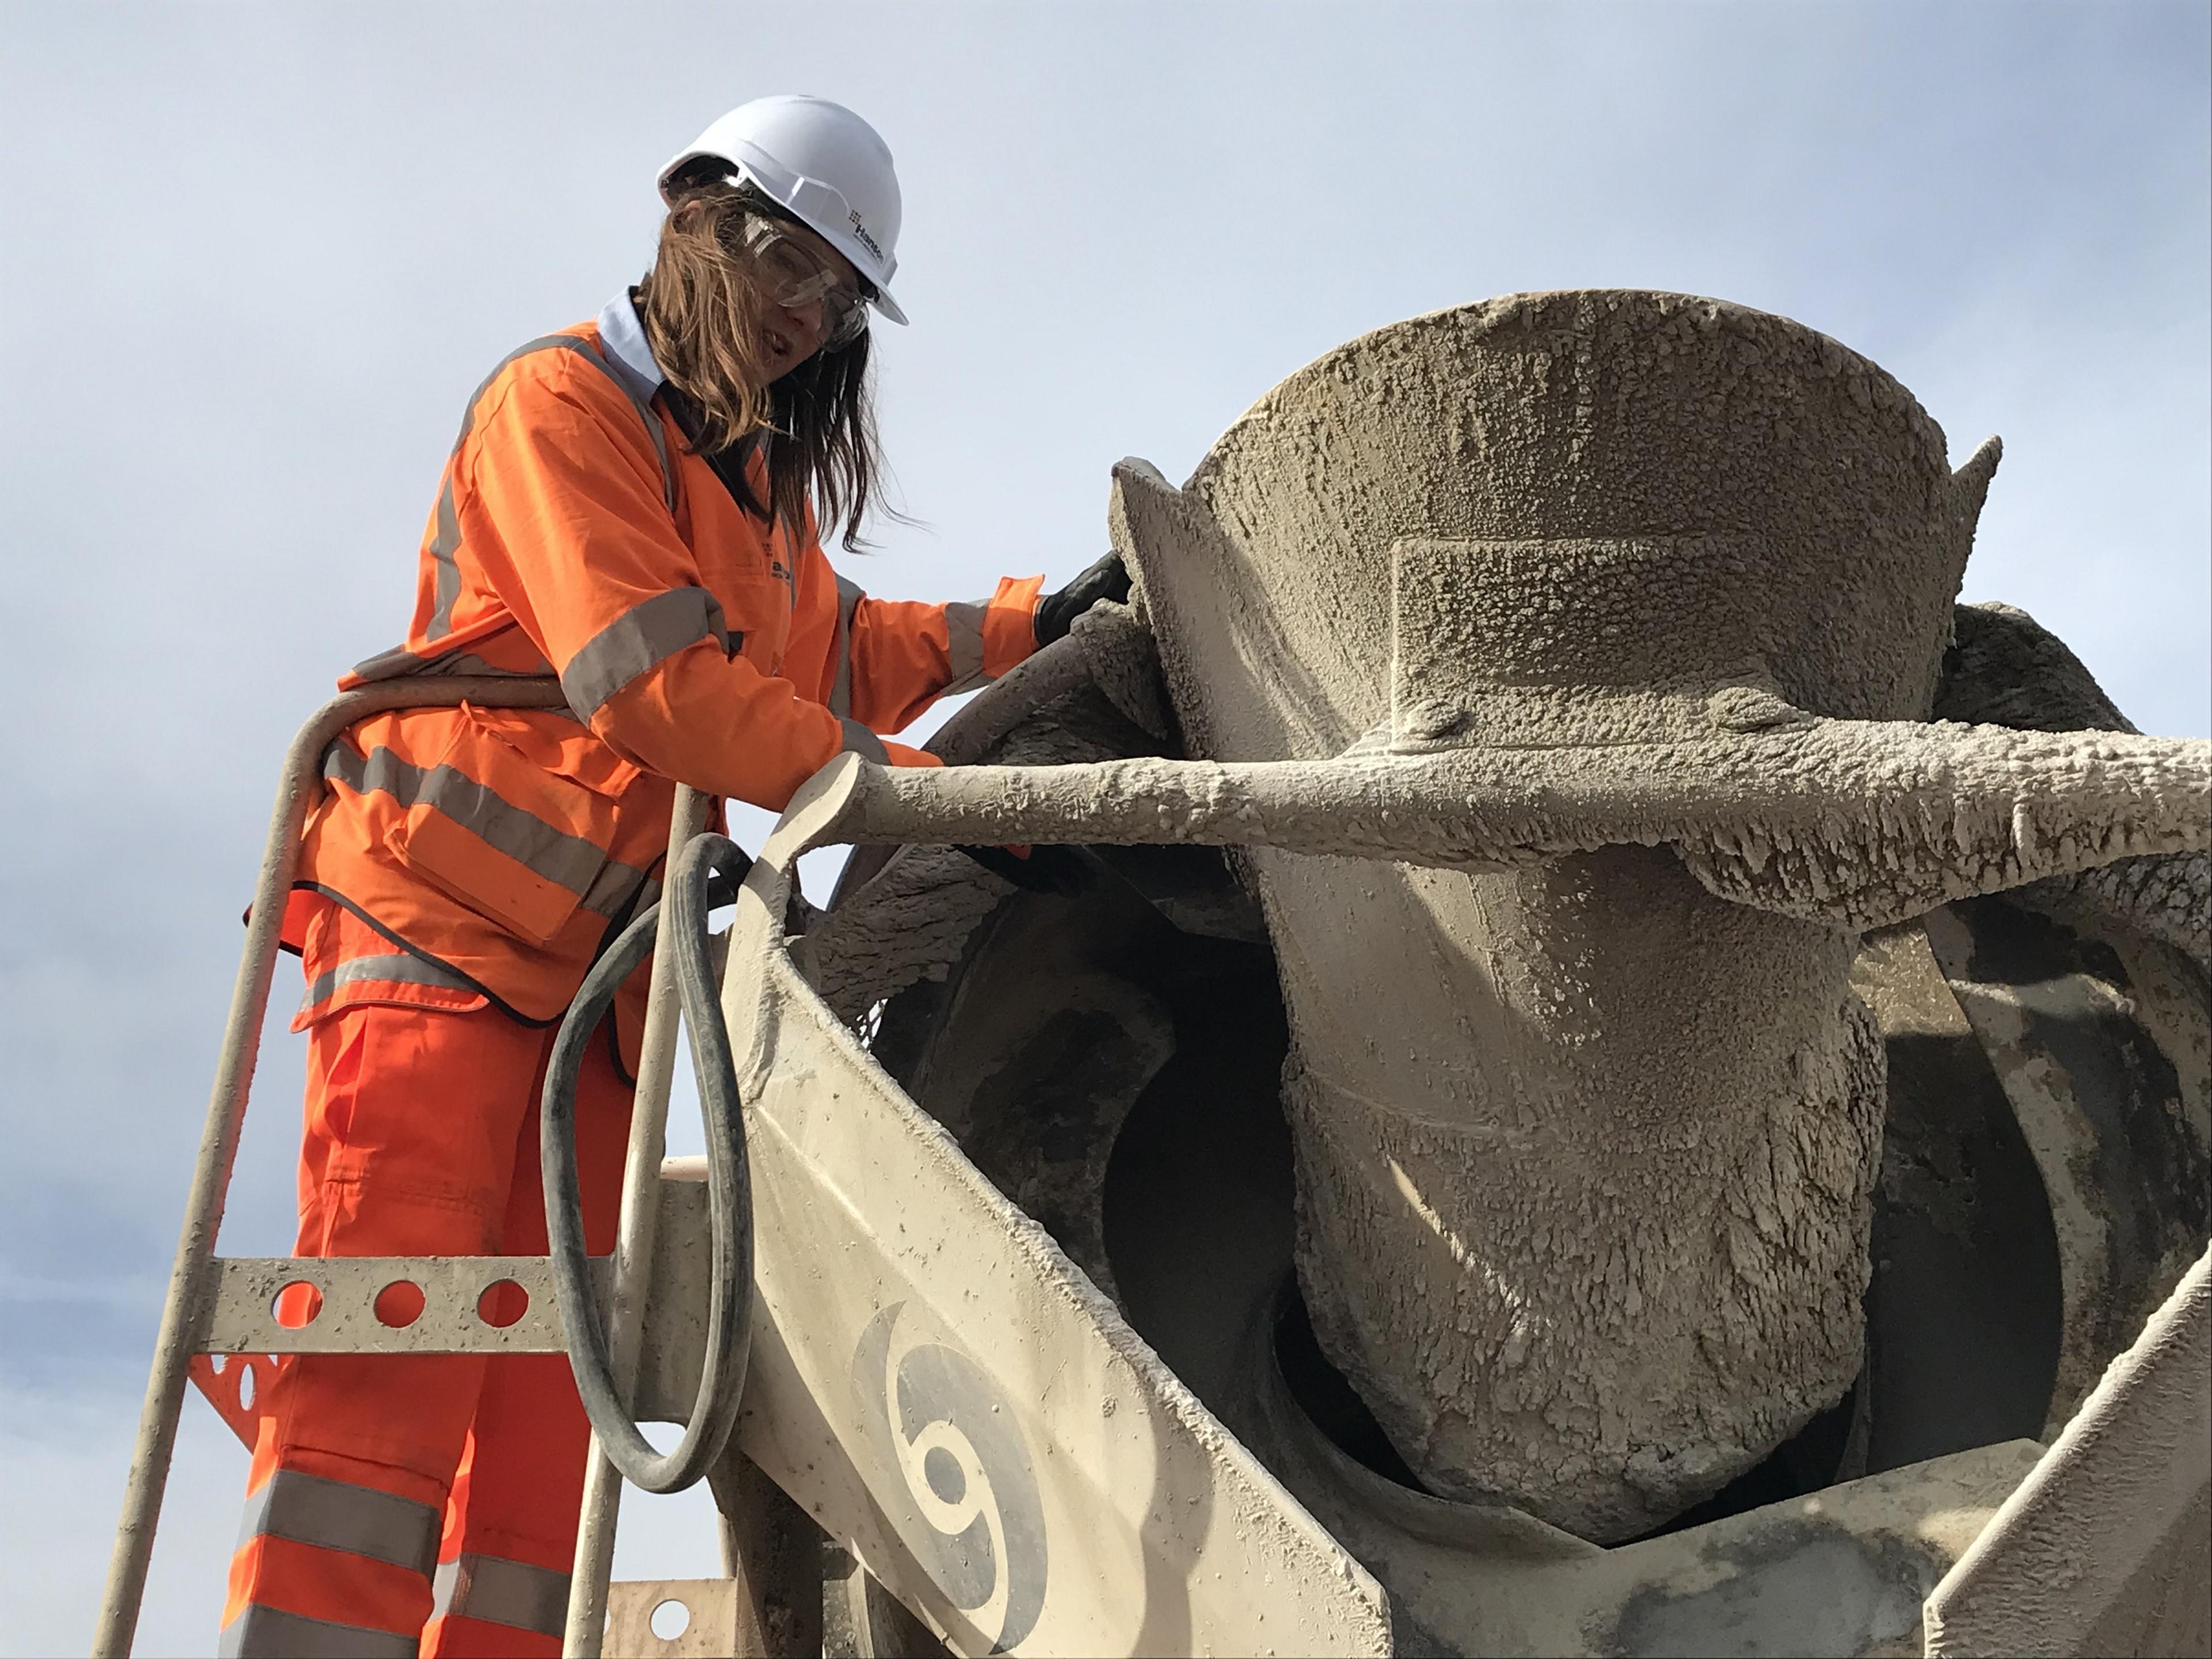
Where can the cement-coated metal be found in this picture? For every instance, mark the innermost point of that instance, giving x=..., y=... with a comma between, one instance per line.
x=938, y=1385
x=241, y=1316
x=702, y=1615
x=2104, y=1547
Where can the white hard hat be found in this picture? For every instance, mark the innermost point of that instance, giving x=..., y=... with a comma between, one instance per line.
x=825, y=167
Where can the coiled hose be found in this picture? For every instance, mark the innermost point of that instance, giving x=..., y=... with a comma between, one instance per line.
x=705, y=876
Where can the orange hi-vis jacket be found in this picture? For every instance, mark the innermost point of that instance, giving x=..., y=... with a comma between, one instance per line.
x=473, y=854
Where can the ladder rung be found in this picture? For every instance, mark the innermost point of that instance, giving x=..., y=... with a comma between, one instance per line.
x=240, y=1314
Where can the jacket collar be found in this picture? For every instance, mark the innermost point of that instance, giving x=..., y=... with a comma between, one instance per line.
x=622, y=334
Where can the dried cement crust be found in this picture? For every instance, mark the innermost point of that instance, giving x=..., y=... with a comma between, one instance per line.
x=1585, y=1152
x=2005, y=670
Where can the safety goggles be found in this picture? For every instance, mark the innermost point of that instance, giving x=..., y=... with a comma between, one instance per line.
x=797, y=273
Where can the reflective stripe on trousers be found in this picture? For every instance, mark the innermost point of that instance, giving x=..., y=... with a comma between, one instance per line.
x=295, y=1507
x=388, y=969
x=498, y=1591
x=267, y=1633
x=336, y=1515
x=484, y=1453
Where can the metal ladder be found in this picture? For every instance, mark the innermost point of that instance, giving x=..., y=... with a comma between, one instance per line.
x=228, y=1305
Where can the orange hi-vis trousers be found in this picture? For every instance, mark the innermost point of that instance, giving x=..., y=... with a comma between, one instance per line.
x=406, y=1504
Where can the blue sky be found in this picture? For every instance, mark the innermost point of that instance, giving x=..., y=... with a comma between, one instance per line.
x=255, y=257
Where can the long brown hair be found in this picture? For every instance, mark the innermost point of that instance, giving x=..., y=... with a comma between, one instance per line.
x=703, y=313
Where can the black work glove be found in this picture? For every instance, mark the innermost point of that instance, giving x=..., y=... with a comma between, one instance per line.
x=1108, y=579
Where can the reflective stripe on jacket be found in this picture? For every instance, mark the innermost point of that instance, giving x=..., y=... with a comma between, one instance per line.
x=573, y=535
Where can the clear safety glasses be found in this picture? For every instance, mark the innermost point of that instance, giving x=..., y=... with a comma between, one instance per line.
x=800, y=273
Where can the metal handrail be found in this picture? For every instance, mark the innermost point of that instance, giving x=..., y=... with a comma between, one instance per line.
x=297, y=790
x=592, y=1569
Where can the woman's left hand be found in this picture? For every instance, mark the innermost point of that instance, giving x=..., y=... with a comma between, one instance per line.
x=1108, y=579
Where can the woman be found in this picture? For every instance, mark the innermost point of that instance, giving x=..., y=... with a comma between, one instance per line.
x=631, y=506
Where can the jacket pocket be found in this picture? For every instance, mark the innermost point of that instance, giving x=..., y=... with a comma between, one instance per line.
x=348, y=965
x=496, y=830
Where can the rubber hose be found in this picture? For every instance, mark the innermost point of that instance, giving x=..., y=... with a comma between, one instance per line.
x=693, y=890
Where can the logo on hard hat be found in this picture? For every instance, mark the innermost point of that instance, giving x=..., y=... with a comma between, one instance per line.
x=866, y=241
x=953, y=1478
